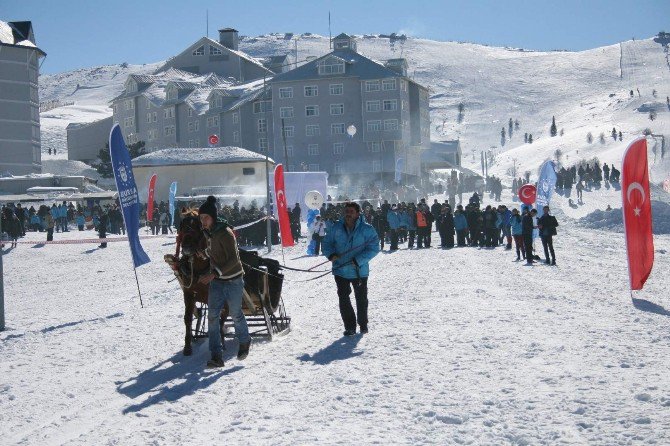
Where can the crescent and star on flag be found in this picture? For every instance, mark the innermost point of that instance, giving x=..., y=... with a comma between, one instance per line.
x=631, y=188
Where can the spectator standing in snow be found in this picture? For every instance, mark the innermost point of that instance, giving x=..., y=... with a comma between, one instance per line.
x=461, y=226
x=547, y=225
x=103, y=221
x=527, y=227
x=350, y=244
x=318, y=232
x=517, y=233
x=49, y=222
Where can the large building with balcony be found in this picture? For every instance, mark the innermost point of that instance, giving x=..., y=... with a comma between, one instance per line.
x=19, y=102
x=355, y=118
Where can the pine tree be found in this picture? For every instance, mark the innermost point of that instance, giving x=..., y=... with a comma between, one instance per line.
x=530, y=138
x=552, y=129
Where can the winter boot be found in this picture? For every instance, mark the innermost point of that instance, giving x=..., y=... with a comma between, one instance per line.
x=243, y=351
x=215, y=362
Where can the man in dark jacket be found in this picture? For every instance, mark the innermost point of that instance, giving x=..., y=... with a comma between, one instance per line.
x=547, y=225
x=527, y=232
x=226, y=282
x=445, y=225
x=102, y=228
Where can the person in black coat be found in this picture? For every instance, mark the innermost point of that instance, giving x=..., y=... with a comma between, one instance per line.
x=102, y=228
x=445, y=225
x=490, y=230
x=547, y=225
x=527, y=232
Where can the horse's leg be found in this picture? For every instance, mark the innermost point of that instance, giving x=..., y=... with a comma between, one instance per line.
x=189, y=307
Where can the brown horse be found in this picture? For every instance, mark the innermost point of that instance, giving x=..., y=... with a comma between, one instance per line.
x=262, y=282
x=188, y=268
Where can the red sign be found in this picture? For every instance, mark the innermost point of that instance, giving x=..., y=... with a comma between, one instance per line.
x=150, y=198
x=213, y=140
x=527, y=194
x=282, y=208
x=637, y=213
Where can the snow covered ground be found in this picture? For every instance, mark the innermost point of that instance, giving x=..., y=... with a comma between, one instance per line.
x=465, y=347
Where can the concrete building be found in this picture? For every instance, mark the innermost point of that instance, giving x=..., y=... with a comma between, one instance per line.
x=84, y=141
x=202, y=171
x=19, y=100
x=321, y=104
x=442, y=155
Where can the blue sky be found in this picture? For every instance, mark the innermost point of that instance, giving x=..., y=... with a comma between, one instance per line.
x=84, y=33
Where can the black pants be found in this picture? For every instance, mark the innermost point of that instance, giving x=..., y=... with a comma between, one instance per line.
x=317, y=243
x=102, y=235
x=393, y=234
x=460, y=236
x=349, y=317
x=50, y=234
x=528, y=243
x=548, y=244
x=411, y=237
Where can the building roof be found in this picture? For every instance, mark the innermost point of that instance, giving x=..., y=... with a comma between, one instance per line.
x=446, y=146
x=18, y=34
x=199, y=155
x=356, y=65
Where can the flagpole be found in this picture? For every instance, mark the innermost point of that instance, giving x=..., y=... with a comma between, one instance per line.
x=138, y=286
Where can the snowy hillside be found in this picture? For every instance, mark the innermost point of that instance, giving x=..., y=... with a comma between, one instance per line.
x=587, y=92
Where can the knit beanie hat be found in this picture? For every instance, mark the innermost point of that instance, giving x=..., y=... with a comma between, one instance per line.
x=209, y=207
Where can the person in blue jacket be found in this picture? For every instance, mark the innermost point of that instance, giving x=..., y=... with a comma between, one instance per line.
x=350, y=245
x=393, y=220
x=461, y=226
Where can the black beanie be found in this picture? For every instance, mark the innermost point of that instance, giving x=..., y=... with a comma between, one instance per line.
x=209, y=207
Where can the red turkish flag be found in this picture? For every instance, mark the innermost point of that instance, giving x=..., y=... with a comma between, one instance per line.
x=637, y=213
x=150, y=198
x=282, y=209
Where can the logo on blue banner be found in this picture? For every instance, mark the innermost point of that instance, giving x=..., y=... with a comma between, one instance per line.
x=545, y=184
x=128, y=196
x=173, y=193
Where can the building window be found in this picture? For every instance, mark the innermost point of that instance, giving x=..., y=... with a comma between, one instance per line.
x=190, y=143
x=388, y=84
x=390, y=124
x=336, y=89
x=374, y=125
x=149, y=117
x=262, y=144
x=168, y=130
x=148, y=104
x=312, y=130
x=196, y=126
x=289, y=131
x=372, y=86
x=262, y=126
x=190, y=112
x=403, y=85
x=338, y=148
x=130, y=104
x=289, y=151
x=404, y=105
x=190, y=127
x=313, y=149
x=168, y=112
x=375, y=146
x=129, y=122
x=262, y=106
x=154, y=117
x=214, y=51
x=218, y=102
x=337, y=129
x=236, y=118
x=336, y=109
x=337, y=168
x=197, y=142
x=213, y=121
x=236, y=136
x=248, y=171
x=331, y=65
x=311, y=90
x=390, y=105
x=311, y=110
x=171, y=94
x=286, y=93
x=372, y=106
x=314, y=167
x=376, y=166
x=200, y=51
x=153, y=134
x=285, y=112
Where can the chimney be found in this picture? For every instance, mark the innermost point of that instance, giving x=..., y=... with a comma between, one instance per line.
x=228, y=37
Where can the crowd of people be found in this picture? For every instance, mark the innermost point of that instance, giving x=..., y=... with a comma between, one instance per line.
x=412, y=223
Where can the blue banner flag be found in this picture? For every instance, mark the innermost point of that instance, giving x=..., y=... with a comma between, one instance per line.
x=545, y=184
x=128, y=196
x=173, y=193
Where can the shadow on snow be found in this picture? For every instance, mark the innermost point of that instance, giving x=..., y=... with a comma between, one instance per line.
x=650, y=307
x=339, y=350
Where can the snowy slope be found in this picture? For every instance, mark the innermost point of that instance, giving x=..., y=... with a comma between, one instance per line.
x=521, y=356
x=587, y=91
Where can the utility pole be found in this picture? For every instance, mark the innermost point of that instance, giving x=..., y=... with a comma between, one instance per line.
x=283, y=134
x=267, y=171
x=2, y=288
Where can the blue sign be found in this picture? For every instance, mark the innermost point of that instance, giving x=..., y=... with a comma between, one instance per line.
x=128, y=196
x=173, y=193
x=545, y=184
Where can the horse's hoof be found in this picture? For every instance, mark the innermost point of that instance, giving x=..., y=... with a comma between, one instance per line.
x=188, y=351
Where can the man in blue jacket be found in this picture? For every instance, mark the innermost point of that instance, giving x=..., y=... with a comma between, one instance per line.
x=350, y=244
